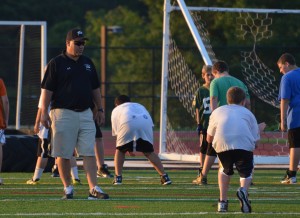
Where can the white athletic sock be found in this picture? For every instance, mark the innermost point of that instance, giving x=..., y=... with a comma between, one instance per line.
x=97, y=188
x=37, y=173
x=69, y=189
x=74, y=172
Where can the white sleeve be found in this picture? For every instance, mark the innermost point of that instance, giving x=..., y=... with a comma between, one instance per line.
x=113, y=123
x=255, y=128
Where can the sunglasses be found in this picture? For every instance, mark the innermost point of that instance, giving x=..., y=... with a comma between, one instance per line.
x=79, y=43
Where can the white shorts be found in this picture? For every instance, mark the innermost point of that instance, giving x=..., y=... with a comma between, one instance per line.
x=2, y=137
x=70, y=130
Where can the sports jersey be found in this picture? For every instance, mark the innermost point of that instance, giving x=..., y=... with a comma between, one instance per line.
x=220, y=86
x=233, y=127
x=290, y=89
x=2, y=93
x=202, y=103
x=131, y=121
x=65, y=76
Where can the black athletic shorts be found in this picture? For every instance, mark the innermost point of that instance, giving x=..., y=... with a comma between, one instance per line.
x=294, y=137
x=242, y=159
x=138, y=145
x=98, y=131
x=44, y=147
x=206, y=148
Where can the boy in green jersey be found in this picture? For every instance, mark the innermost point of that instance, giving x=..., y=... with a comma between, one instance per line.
x=202, y=105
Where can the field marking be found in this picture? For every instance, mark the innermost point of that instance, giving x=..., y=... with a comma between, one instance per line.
x=147, y=199
x=144, y=214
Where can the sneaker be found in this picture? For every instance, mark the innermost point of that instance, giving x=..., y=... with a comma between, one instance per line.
x=222, y=206
x=117, y=180
x=289, y=180
x=55, y=172
x=244, y=202
x=33, y=182
x=1, y=182
x=96, y=193
x=68, y=193
x=104, y=172
x=76, y=182
x=197, y=180
x=200, y=180
x=165, y=180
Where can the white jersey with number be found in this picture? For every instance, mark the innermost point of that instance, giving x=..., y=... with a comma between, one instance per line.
x=131, y=121
x=233, y=127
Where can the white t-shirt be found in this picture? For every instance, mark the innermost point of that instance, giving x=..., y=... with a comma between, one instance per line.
x=233, y=127
x=131, y=121
x=43, y=132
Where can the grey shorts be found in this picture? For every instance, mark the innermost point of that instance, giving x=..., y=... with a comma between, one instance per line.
x=70, y=130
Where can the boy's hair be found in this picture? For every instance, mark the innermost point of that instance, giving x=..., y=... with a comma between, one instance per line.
x=205, y=69
x=220, y=66
x=121, y=99
x=286, y=57
x=235, y=95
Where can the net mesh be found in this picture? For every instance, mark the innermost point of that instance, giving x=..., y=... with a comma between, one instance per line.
x=257, y=75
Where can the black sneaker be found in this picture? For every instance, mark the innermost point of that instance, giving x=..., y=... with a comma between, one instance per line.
x=222, y=206
x=68, y=194
x=96, y=193
x=55, y=172
x=165, y=180
x=104, y=172
x=244, y=202
x=117, y=180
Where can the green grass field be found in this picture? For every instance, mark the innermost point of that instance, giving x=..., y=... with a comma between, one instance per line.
x=141, y=195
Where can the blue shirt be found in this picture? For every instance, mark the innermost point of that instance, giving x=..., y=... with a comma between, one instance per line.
x=290, y=89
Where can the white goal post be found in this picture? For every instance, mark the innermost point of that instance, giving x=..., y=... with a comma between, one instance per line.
x=28, y=45
x=257, y=75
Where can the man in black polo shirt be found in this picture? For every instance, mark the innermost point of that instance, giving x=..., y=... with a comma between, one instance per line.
x=71, y=85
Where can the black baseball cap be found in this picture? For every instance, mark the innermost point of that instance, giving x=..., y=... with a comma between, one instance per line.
x=75, y=34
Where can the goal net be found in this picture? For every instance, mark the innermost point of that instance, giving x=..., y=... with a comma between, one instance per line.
x=23, y=58
x=248, y=40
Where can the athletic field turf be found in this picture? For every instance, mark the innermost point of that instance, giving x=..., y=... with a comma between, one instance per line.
x=141, y=195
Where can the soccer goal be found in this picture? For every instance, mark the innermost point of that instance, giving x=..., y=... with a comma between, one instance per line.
x=248, y=36
x=23, y=58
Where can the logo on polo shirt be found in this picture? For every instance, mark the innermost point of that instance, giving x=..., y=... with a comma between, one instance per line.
x=88, y=67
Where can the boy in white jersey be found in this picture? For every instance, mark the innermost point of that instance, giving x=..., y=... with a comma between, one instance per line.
x=234, y=132
x=133, y=127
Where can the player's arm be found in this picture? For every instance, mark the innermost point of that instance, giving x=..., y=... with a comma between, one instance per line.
x=46, y=96
x=248, y=103
x=100, y=118
x=283, y=111
x=36, y=127
x=5, y=104
x=209, y=138
x=213, y=102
